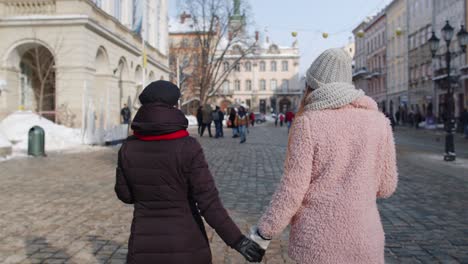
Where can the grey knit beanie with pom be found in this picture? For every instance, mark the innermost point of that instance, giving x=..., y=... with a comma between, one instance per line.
x=330, y=75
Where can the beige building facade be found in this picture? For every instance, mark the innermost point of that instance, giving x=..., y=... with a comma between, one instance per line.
x=267, y=80
x=397, y=55
x=98, y=63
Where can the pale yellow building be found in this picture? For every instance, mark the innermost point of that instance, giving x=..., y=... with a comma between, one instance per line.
x=397, y=55
x=98, y=62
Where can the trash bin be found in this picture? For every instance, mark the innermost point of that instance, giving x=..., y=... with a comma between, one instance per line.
x=36, y=141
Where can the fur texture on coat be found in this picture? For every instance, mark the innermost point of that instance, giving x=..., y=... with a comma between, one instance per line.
x=339, y=162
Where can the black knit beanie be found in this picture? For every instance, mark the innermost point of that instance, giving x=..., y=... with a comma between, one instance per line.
x=160, y=91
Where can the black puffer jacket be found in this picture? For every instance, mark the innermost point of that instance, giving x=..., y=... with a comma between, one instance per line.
x=171, y=187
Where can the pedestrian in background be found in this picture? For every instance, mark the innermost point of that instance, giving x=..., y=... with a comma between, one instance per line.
x=242, y=123
x=397, y=116
x=275, y=117
x=207, y=119
x=126, y=114
x=252, y=118
x=281, y=118
x=162, y=171
x=340, y=159
x=232, y=121
x=289, y=119
x=199, y=119
x=218, y=117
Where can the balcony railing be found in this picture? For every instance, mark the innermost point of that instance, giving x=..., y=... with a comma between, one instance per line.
x=30, y=7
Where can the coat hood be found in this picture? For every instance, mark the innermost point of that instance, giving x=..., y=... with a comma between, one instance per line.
x=158, y=119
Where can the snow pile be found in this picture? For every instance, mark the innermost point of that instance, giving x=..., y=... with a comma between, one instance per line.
x=192, y=120
x=16, y=127
x=4, y=142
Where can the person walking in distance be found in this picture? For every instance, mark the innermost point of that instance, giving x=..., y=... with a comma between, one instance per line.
x=242, y=123
x=232, y=121
x=275, y=117
x=281, y=118
x=289, y=119
x=340, y=159
x=125, y=113
x=162, y=171
x=200, y=119
x=207, y=119
x=252, y=118
x=218, y=117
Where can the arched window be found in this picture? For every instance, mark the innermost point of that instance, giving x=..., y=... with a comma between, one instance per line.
x=262, y=85
x=237, y=67
x=248, y=85
x=248, y=66
x=262, y=66
x=226, y=66
x=273, y=66
x=237, y=85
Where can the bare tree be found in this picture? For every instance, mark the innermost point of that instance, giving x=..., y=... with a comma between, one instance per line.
x=42, y=65
x=219, y=27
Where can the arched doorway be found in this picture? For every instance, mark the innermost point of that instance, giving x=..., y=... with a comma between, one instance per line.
x=123, y=79
x=284, y=105
x=36, y=66
x=139, y=86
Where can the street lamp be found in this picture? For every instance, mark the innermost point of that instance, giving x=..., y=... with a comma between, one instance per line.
x=434, y=42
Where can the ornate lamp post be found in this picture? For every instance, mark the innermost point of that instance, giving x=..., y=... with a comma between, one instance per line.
x=447, y=34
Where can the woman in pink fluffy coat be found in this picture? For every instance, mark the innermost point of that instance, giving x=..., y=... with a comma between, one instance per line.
x=340, y=159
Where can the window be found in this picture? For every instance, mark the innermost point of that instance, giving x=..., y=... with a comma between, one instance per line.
x=98, y=3
x=118, y=9
x=248, y=66
x=273, y=66
x=237, y=85
x=226, y=87
x=226, y=66
x=273, y=85
x=262, y=85
x=248, y=85
x=237, y=67
x=285, y=66
x=262, y=66
x=285, y=85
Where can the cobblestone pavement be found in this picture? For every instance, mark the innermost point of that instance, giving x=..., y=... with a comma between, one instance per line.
x=62, y=209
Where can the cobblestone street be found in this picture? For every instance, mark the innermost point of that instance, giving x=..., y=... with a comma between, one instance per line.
x=62, y=209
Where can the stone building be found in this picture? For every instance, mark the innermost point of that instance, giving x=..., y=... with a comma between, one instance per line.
x=453, y=11
x=376, y=49
x=421, y=91
x=266, y=80
x=397, y=55
x=184, y=60
x=360, y=70
x=97, y=57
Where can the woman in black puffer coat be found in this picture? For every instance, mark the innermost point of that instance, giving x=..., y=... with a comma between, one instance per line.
x=163, y=172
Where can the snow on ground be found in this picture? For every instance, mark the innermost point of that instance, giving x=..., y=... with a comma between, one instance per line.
x=4, y=142
x=16, y=127
x=192, y=120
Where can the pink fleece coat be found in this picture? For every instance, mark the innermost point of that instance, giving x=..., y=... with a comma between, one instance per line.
x=338, y=163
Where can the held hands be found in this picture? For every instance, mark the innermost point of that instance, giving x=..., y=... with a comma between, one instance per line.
x=251, y=251
x=258, y=238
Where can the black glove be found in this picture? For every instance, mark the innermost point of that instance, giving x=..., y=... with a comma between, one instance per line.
x=251, y=251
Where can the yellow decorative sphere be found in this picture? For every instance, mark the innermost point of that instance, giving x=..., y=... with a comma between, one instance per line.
x=294, y=34
x=399, y=31
x=360, y=34
x=325, y=35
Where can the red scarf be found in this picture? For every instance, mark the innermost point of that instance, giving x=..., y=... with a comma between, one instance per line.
x=171, y=136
